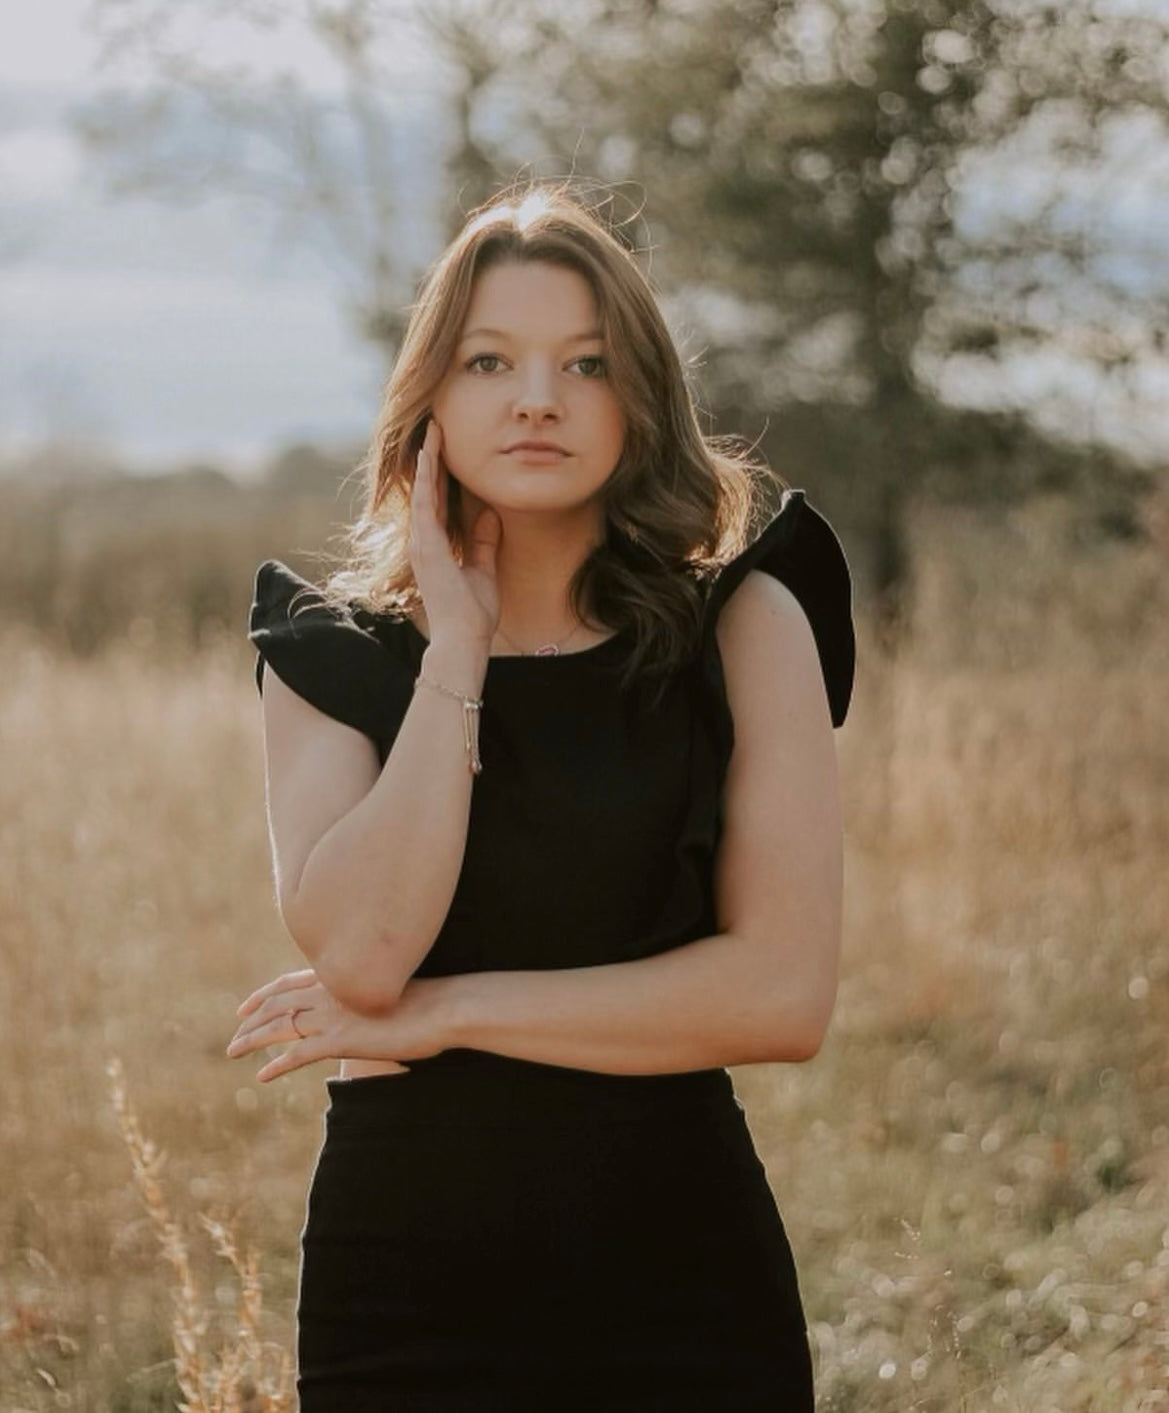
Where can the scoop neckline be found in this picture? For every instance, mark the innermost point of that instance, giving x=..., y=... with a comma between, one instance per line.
x=590, y=651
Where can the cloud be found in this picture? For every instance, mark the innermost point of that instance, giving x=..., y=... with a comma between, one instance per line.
x=38, y=165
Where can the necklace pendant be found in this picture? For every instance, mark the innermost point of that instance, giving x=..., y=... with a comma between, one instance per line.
x=548, y=650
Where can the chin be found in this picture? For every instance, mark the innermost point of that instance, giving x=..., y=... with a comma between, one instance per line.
x=536, y=486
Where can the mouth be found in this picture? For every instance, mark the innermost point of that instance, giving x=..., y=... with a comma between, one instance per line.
x=535, y=444
x=541, y=454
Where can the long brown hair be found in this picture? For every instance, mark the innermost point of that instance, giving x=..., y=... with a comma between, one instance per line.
x=677, y=504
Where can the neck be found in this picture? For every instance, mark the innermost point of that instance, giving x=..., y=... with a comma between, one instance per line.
x=539, y=553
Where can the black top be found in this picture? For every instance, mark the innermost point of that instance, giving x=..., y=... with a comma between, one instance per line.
x=594, y=824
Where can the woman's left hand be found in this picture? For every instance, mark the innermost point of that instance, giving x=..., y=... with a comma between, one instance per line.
x=296, y=1010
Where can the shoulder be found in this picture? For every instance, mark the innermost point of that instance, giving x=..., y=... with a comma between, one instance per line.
x=760, y=603
x=768, y=649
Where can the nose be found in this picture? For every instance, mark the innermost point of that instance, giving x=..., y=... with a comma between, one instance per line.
x=536, y=400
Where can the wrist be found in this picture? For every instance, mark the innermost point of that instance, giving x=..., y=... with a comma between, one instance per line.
x=461, y=1011
x=460, y=665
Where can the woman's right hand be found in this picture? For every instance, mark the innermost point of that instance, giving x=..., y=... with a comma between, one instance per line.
x=462, y=601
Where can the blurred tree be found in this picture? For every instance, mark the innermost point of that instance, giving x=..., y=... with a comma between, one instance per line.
x=812, y=169
x=815, y=159
x=315, y=140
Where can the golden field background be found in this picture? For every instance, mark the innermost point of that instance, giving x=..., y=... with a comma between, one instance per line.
x=974, y=1172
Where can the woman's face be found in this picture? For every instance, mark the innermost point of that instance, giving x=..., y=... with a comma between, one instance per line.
x=530, y=365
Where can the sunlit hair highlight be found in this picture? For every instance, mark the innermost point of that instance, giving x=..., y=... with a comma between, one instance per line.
x=677, y=505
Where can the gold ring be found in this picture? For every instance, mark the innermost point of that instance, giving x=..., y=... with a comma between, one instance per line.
x=292, y=1015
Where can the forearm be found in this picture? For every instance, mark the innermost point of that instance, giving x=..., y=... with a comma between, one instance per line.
x=722, y=1000
x=374, y=891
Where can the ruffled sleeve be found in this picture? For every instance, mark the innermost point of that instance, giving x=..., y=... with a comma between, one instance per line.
x=800, y=549
x=329, y=656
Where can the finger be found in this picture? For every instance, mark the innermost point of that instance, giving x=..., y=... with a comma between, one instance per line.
x=270, y=1027
x=250, y=1024
x=298, y=998
x=423, y=503
x=275, y=1031
x=485, y=535
x=426, y=457
x=295, y=1057
x=306, y=1052
x=441, y=476
x=444, y=483
x=289, y=981
x=418, y=485
x=434, y=474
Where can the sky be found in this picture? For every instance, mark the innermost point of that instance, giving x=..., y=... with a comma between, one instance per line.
x=172, y=333
x=200, y=331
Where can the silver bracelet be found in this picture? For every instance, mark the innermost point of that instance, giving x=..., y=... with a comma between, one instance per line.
x=471, y=708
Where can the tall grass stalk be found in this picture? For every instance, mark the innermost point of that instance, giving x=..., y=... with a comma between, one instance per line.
x=219, y=1370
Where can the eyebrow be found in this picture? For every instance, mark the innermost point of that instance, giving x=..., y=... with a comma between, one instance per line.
x=503, y=334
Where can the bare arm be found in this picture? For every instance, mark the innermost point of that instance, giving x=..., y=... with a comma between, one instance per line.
x=761, y=989
x=367, y=861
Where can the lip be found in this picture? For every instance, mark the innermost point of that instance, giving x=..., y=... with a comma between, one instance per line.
x=534, y=445
x=538, y=456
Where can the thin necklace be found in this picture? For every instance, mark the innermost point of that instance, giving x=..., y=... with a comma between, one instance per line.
x=547, y=650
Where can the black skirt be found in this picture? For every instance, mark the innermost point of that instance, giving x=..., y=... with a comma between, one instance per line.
x=490, y=1234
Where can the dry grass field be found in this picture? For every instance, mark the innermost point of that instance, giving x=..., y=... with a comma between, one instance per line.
x=974, y=1171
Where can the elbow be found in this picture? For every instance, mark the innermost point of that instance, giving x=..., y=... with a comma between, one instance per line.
x=803, y=1015
x=800, y=1039
x=803, y=1043
x=817, y=1017
x=365, y=974
x=368, y=981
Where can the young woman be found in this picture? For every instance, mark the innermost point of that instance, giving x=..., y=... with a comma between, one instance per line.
x=553, y=808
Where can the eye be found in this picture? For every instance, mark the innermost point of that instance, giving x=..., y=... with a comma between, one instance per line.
x=591, y=358
x=479, y=357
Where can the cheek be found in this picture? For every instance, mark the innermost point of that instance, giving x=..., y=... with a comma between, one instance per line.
x=455, y=415
x=464, y=449
x=613, y=422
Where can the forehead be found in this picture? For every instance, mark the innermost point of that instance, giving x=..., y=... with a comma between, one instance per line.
x=536, y=301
